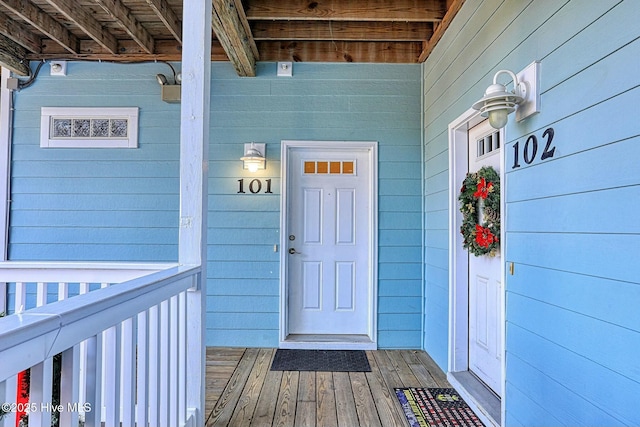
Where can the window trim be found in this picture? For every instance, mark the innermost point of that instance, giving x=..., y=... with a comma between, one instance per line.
x=49, y=113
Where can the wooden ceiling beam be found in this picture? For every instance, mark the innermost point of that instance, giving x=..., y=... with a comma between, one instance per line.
x=43, y=22
x=121, y=14
x=340, y=51
x=87, y=23
x=376, y=31
x=347, y=10
x=231, y=34
x=129, y=51
x=12, y=56
x=164, y=12
x=19, y=34
x=247, y=29
x=428, y=47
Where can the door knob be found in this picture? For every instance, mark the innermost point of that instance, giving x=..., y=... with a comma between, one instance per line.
x=293, y=251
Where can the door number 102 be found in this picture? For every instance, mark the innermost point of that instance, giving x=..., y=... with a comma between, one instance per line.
x=530, y=149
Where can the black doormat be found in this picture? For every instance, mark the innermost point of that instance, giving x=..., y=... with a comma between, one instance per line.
x=321, y=360
x=436, y=407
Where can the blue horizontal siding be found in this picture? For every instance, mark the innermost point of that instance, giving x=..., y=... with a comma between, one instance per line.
x=113, y=205
x=568, y=368
x=572, y=328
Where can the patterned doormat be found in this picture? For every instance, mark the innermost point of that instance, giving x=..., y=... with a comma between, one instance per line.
x=436, y=407
x=321, y=360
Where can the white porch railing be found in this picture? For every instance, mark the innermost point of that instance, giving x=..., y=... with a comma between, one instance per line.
x=123, y=342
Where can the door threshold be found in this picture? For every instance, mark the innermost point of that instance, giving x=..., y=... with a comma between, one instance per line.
x=328, y=342
x=480, y=398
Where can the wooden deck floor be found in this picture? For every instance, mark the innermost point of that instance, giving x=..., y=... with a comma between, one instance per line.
x=242, y=391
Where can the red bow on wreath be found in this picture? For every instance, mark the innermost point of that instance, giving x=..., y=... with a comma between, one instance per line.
x=483, y=189
x=484, y=236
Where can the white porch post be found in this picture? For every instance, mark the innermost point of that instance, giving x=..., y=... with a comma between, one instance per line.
x=194, y=145
x=5, y=161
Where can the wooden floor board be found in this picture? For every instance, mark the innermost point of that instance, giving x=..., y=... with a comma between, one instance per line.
x=345, y=405
x=243, y=391
x=389, y=409
x=223, y=411
x=365, y=407
x=287, y=400
x=326, y=415
x=243, y=413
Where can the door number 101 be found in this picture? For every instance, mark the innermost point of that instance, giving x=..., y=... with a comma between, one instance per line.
x=254, y=186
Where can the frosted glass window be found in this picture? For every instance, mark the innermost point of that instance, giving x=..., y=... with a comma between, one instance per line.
x=89, y=127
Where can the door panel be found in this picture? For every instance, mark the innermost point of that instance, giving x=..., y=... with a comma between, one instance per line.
x=485, y=287
x=328, y=227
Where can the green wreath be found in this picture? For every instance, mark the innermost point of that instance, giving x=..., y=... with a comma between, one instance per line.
x=480, y=206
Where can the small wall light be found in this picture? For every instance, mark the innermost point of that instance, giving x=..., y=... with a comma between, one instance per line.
x=285, y=69
x=254, y=156
x=58, y=68
x=497, y=102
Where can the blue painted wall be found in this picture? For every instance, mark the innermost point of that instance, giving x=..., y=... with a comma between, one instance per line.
x=573, y=326
x=323, y=102
x=84, y=204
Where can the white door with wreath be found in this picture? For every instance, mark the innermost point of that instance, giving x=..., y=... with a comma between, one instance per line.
x=480, y=205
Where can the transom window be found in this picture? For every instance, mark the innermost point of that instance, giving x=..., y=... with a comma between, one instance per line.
x=332, y=167
x=488, y=143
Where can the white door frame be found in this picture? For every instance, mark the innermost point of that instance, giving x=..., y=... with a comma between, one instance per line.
x=458, y=263
x=372, y=147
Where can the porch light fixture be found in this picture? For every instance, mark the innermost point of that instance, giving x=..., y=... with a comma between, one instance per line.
x=254, y=156
x=169, y=92
x=498, y=102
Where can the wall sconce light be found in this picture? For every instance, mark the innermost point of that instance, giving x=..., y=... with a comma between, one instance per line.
x=58, y=68
x=169, y=92
x=254, y=156
x=497, y=102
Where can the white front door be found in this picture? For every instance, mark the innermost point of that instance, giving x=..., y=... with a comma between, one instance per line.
x=328, y=243
x=485, y=287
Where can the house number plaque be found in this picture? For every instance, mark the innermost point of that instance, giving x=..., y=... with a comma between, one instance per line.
x=255, y=186
x=530, y=149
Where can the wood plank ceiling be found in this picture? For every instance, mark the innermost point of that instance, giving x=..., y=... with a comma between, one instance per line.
x=244, y=31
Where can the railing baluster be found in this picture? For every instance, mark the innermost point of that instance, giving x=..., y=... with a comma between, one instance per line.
x=40, y=398
x=182, y=355
x=41, y=378
x=20, y=303
x=154, y=366
x=173, y=360
x=128, y=372
x=69, y=386
x=112, y=375
x=93, y=388
x=69, y=375
x=164, y=363
x=8, y=391
x=142, y=374
x=83, y=288
x=63, y=291
x=41, y=294
x=105, y=359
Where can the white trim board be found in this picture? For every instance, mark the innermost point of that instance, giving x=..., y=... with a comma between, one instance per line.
x=458, y=363
x=346, y=342
x=6, y=109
